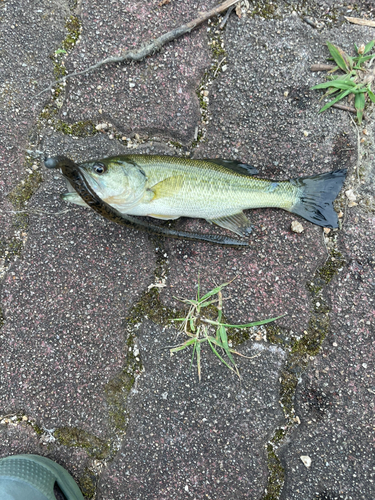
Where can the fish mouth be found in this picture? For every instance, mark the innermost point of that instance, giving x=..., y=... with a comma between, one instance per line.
x=87, y=177
x=90, y=180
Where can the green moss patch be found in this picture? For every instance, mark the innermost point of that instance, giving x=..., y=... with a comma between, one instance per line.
x=79, y=129
x=22, y=193
x=276, y=476
x=78, y=438
x=334, y=262
x=264, y=9
x=73, y=27
x=87, y=484
x=118, y=388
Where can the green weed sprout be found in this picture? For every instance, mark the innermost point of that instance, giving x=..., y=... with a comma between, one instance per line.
x=199, y=329
x=351, y=82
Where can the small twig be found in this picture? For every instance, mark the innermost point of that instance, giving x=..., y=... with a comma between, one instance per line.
x=358, y=147
x=324, y=241
x=361, y=22
x=35, y=211
x=151, y=47
x=348, y=108
x=226, y=17
x=322, y=67
x=218, y=66
x=36, y=153
x=310, y=22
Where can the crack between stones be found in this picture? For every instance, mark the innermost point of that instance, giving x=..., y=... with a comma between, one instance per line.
x=301, y=350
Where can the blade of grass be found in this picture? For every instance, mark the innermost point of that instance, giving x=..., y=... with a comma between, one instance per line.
x=198, y=350
x=224, y=340
x=211, y=342
x=192, y=326
x=369, y=46
x=208, y=303
x=359, y=104
x=247, y=325
x=184, y=345
x=344, y=85
x=192, y=357
x=361, y=59
x=338, y=98
x=371, y=95
x=220, y=307
x=340, y=57
x=214, y=291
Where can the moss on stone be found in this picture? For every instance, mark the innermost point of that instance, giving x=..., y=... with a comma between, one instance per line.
x=78, y=438
x=176, y=144
x=22, y=193
x=300, y=352
x=218, y=53
x=334, y=262
x=87, y=483
x=312, y=340
x=10, y=248
x=275, y=334
x=73, y=27
x=276, y=475
x=264, y=9
x=78, y=129
x=38, y=430
x=118, y=388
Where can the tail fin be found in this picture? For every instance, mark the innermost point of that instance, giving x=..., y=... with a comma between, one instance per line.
x=317, y=194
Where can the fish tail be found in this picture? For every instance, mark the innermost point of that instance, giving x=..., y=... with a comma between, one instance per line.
x=317, y=194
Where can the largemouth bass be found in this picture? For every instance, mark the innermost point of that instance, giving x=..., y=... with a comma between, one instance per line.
x=77, y=181
x=166, y=187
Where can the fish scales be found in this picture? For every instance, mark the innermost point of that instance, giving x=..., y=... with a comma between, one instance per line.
x=224, y=192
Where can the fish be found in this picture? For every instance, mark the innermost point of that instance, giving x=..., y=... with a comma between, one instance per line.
x=167, y=187
x=77, y=182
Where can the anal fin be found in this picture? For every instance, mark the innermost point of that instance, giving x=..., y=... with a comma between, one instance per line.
x=238, y=223
x=164, y=217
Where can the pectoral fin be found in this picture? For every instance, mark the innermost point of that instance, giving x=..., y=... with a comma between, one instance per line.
x=73, y=198
x=238, y=223
x=168, y=187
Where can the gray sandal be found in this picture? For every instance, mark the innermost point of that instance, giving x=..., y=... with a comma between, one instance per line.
x=32, y=477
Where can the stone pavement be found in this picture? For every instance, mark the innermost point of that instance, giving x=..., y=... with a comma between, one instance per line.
x=86, y=376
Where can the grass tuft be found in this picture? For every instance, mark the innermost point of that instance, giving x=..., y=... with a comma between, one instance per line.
x=201, y=329
x=355, y=82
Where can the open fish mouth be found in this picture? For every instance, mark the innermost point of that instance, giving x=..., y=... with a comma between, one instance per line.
x=89, y=179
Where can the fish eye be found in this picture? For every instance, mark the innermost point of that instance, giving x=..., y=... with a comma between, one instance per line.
x=99, y=168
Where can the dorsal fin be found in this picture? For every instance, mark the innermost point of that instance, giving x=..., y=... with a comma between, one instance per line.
x=235, y=166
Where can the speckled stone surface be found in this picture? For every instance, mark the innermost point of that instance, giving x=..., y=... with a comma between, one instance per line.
x=29, y=33
x=70, y=280
x=336, y=398
x=196, y=439
x=155, y=96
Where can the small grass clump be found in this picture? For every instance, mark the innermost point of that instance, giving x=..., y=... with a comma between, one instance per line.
x=356, y=80
x=201, y=329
